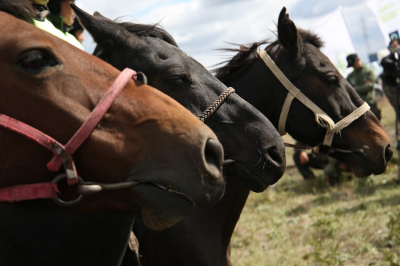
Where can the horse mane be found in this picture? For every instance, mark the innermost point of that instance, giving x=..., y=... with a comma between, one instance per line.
x=21, y=9
x=247, y=53
x=149, y=30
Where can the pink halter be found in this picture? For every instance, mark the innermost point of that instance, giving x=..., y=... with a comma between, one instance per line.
x=62, y=154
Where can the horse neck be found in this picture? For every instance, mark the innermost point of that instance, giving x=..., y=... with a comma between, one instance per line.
x=265, y=93
x=205, y=228
x=61, y=236
x=230, y=207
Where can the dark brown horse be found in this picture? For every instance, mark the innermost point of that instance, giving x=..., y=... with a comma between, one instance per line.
x=145, y=137
x=204, y=237
x=364, y=143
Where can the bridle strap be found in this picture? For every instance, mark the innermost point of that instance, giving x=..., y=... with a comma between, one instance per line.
x=45, y=140
x=321, y=117
x=62, y=155
x=285, y=113
x=345, y=122
x=214, y=106
x=98, y=112
x=29, y=192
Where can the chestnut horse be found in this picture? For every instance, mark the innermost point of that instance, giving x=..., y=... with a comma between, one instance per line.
x=204, y=237
x=160, y=156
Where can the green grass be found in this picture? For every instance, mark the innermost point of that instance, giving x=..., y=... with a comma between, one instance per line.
x=299, y=222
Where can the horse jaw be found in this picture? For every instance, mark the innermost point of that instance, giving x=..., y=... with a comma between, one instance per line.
x=160, y=208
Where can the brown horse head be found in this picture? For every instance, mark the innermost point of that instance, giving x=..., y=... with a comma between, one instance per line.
x=297, y=55
x=145, y=135
x=248, y=138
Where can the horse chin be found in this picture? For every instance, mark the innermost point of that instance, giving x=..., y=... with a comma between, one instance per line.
x=160, y=208
x=362, y=167
x=249, y=178
x=360, y=171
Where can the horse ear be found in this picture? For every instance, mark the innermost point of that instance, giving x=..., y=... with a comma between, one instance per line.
x=102, y=29
x=287, y=33
x=97, y=14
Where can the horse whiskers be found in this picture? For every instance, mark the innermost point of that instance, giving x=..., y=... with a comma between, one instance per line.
x=169, y=189
x=261, y=158
x=264, y=167
x=260, y=152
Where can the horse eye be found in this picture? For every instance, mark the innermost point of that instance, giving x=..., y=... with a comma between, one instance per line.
x=36, y=61
x=333, y=80
x=178, y=80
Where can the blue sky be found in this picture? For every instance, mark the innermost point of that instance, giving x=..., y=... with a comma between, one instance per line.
x=201, y=26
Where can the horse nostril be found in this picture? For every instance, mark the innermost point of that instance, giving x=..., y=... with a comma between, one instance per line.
x=274, y=156
x=388, y=153
x=213, y=154
x=276, y=162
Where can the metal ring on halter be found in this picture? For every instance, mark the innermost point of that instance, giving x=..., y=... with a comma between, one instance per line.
x=144, y=77
x=66, y=203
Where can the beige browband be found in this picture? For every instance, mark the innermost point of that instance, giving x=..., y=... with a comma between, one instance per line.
x=321, y=117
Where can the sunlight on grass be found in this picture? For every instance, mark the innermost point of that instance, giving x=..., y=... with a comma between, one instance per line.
x=298, y=222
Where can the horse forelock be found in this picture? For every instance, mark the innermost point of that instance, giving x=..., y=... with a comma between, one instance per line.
x=247, y=53
x=311, y=38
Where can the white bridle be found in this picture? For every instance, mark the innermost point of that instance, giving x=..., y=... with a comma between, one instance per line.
x=321, y=117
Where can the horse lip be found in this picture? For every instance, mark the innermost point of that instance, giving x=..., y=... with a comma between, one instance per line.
x=260, y=178
x=363, y=172
x=250, y=168
x=168, y=188
x=366, y=168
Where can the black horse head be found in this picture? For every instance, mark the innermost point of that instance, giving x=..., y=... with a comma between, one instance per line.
x=248, y=137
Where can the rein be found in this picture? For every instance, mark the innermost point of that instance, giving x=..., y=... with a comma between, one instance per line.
x=322, y=118
x=63, y=154
x=316, y=149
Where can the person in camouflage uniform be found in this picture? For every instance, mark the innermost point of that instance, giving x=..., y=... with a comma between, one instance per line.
x=363, y=81
x=390, y=75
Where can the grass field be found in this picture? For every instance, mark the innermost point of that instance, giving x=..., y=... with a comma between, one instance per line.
x=299, y=222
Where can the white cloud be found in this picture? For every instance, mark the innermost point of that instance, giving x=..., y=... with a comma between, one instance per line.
x=200, y=26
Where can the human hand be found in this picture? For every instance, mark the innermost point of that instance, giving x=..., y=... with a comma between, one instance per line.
x=342, y=167
x=303, y=157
